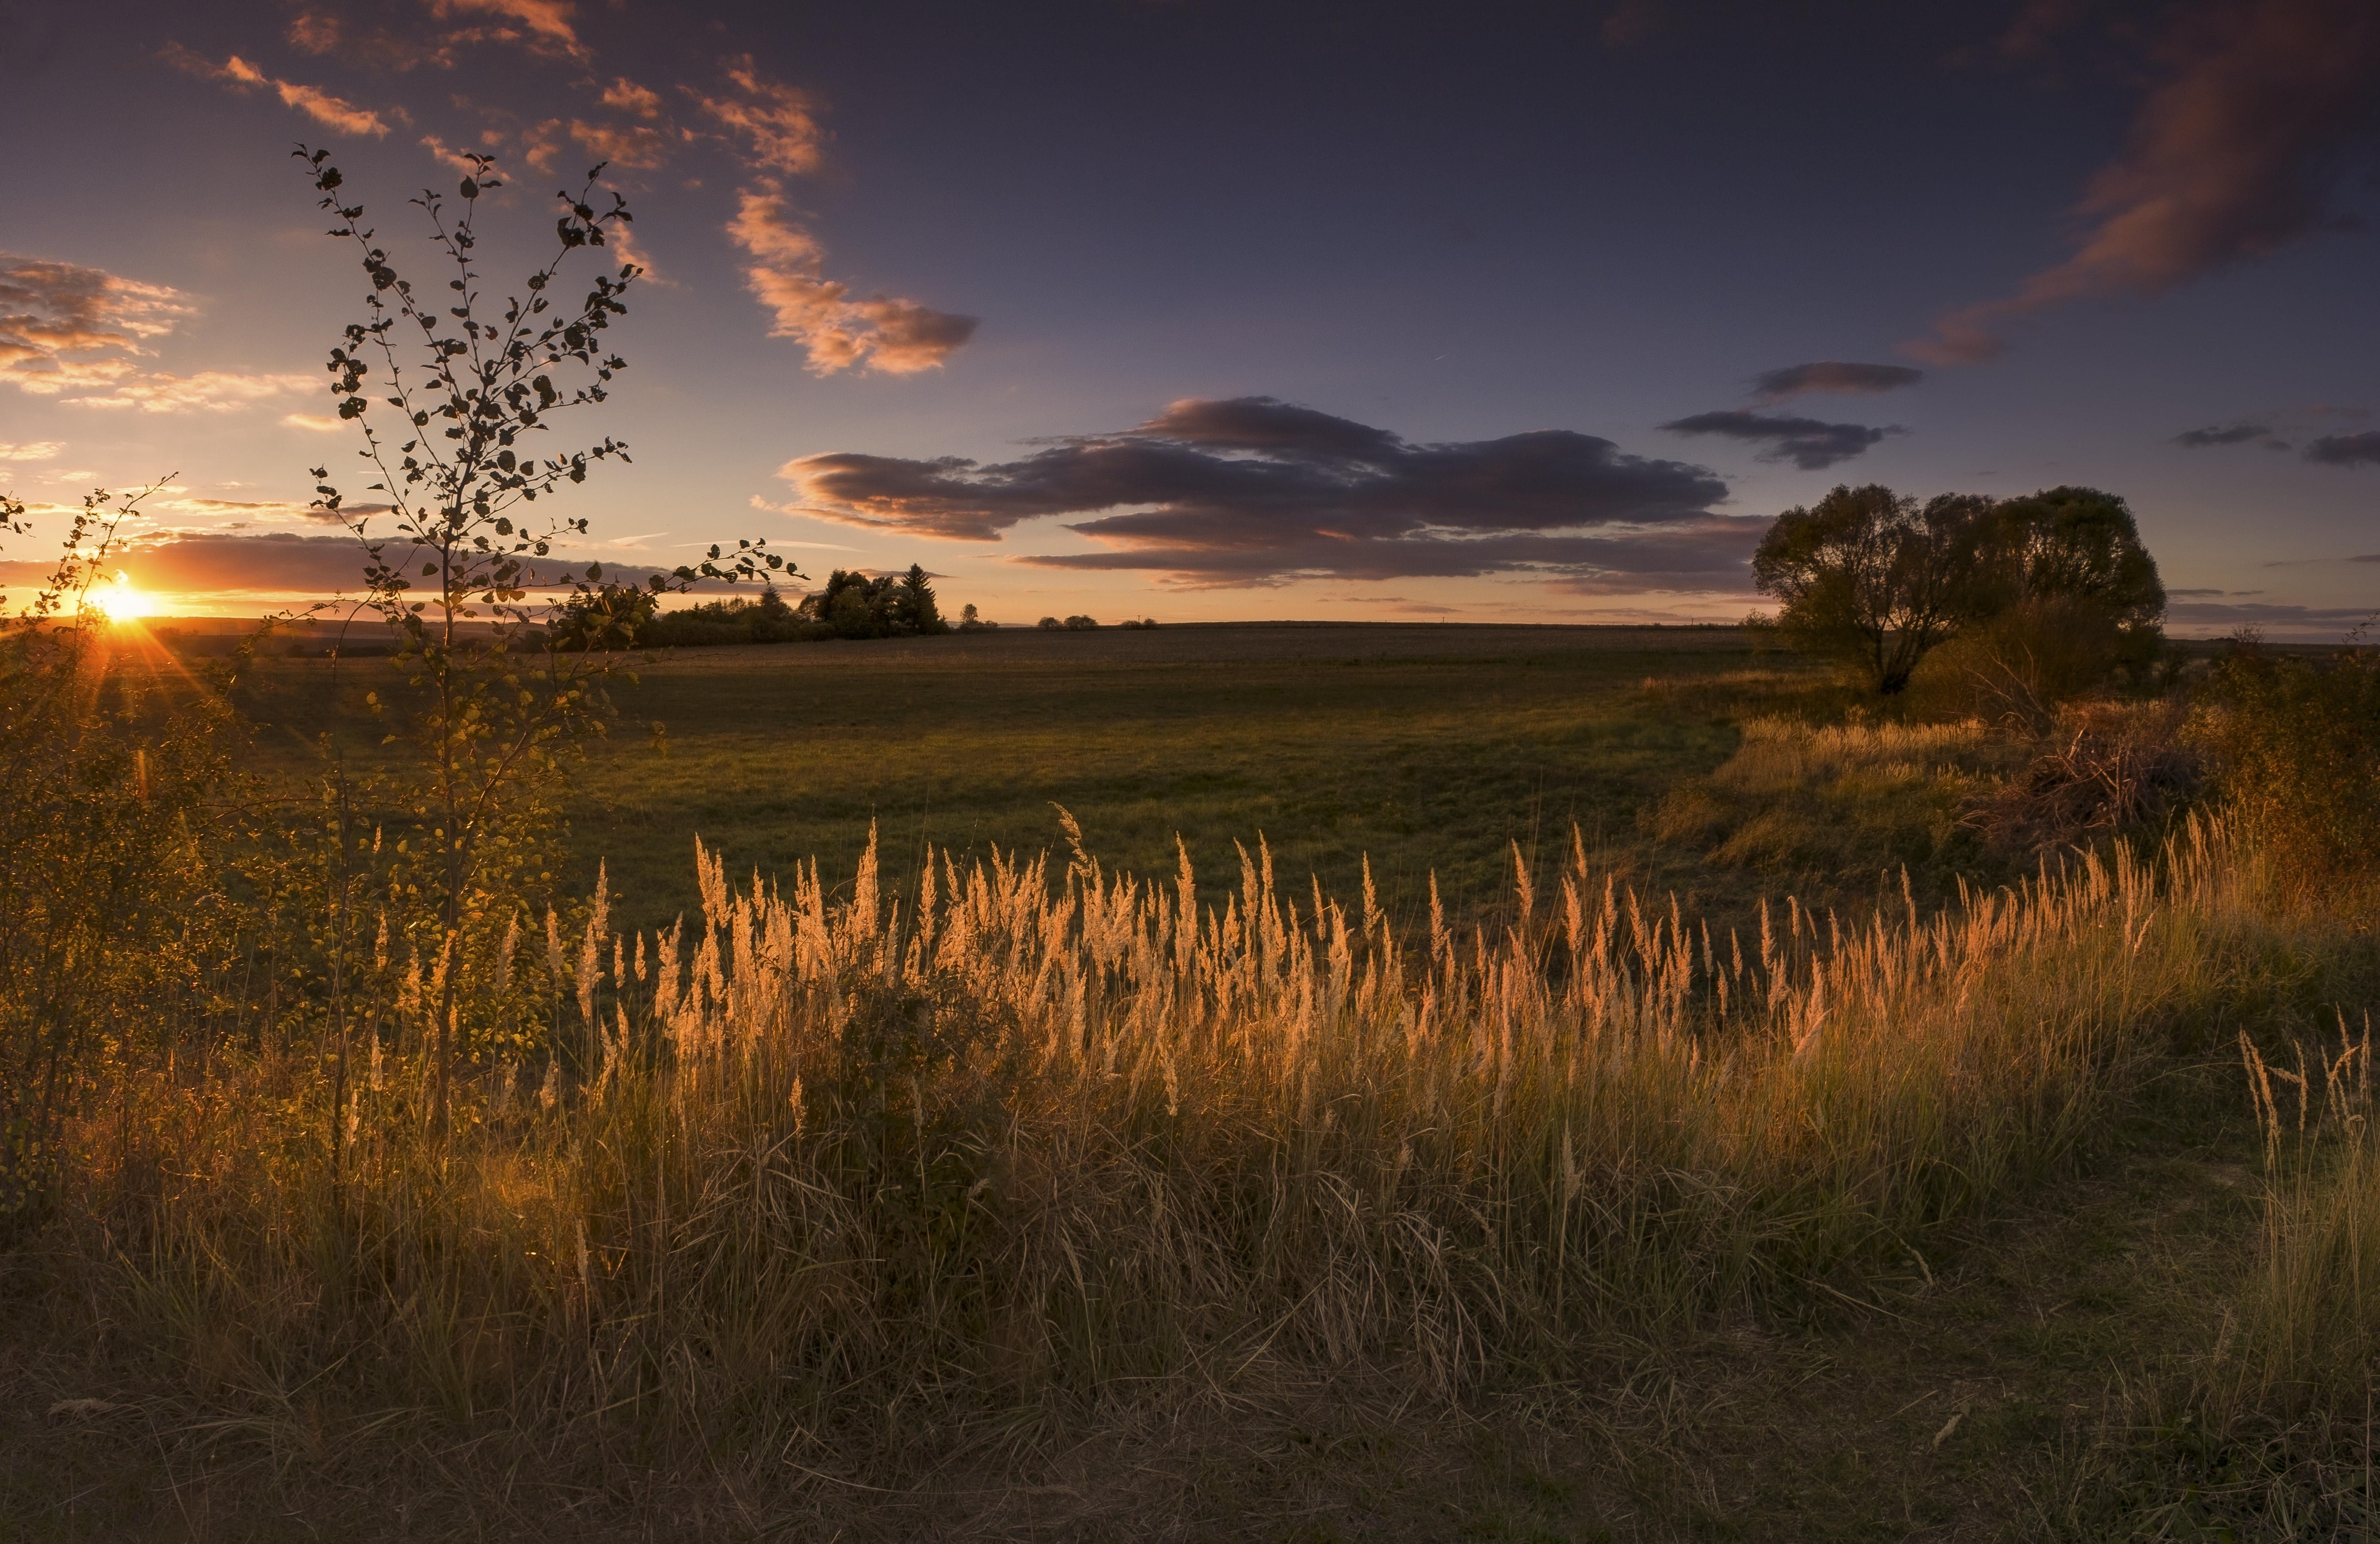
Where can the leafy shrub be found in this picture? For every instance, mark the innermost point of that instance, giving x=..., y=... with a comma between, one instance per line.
x=763, y=619
x=112, y=916
x=2016, y=668
x=2296, y=743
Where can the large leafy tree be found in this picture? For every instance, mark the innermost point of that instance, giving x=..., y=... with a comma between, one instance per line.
x=2075, y=544
x=1874, y=579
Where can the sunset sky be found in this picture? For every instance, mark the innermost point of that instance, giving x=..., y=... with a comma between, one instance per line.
x=1203, y=309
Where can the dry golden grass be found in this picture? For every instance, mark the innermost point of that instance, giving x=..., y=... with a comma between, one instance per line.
x=856, y=1181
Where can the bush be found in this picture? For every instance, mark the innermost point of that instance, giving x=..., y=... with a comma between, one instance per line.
x=764, y=619
x=1080, y=624
x=2016, y=668
x=2296, y=743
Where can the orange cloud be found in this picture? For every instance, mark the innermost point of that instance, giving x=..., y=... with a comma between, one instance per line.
x=51, y=312
x=781, y=122
x=544, y=26
x=453, y=158
x=898, y=337
x=627, y=248
x=2230, y=160
x=640, y=145
x=332, y=111
x=40, y=450
x=628, y=97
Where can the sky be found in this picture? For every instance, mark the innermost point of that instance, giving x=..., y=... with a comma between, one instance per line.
x=1199, y=310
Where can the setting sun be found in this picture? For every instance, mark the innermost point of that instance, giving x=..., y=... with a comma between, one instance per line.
x=120, y=601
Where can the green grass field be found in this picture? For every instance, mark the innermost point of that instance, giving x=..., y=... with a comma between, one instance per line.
x=1425, y=746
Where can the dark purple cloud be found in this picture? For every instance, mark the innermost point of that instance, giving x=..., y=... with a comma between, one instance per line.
x=1810, y=444
x=1832, y=375
x=2235, y=155
x=1710, y=553
x=1255, y=491
x=2345, y=450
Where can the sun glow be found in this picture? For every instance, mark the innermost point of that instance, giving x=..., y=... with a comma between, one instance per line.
x=119, y=602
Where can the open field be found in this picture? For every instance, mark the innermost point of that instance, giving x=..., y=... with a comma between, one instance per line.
x=1425, y=746
x=1035, y=1203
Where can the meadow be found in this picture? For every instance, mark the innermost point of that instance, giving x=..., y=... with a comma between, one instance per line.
x=1423, y=750
x=1742, y=1146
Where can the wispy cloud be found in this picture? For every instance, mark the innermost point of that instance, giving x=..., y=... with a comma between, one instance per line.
x=894, y=337
x=778, y=124
x=54, y=315
x=1252, y=491
x=2212, y=616
x=334, y=112
x=541, y=26
x=1810, y=444
x=2231, y=158
x=268, y=511
x=208, y=391
x=1832, y=375
x=2221, y=434
x=325, y=34
x=39, y=450
x=628, y=97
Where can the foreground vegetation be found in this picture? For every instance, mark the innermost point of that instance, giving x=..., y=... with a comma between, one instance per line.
x=844, y=1198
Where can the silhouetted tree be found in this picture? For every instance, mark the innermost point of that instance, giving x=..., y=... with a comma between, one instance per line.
x=854, y=606
x=915, y=607
x=2078, y=545
x=1869, y=577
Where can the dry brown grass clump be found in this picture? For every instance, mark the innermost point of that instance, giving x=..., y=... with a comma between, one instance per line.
x=2100, y=768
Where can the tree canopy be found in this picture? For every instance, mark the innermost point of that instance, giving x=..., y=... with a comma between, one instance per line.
x=1874, y=579
x=2076, y=543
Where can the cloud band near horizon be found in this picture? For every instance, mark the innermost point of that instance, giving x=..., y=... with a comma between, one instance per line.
x=1255, y=491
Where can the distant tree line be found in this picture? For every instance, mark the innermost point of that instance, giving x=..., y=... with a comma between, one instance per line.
x=1079, y=624
x=2037, y=596
x=851, y=604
